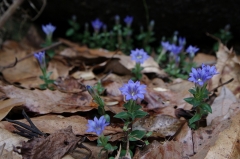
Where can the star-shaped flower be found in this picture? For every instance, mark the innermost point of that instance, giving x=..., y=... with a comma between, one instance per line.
x=139, y=55
x=97, y=125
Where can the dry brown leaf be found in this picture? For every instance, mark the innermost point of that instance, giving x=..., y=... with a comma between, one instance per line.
x=54, y=146
x=228, y=65
x=221, y=104
x=85, y=75
x=160, y=125
x=50, y=101
x=7, y=105
x=227, y=144
x=156, y=150
x=70, y=85
x=201, y=58
x=10, y=139
x=52, y=123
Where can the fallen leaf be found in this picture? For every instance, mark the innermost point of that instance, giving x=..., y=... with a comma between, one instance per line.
x=55, y=146
x=51, y=123
x=221, y=104
x=48, y=101
x=156, y=150
x=7, y=105
x=160, y=125
x=201, y=58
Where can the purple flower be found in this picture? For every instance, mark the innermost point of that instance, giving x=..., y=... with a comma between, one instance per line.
x=97, y=126
x=97, y=24
x=201, y=75
x=40, y=56
x=48, y=29
x=192, y=50
x=181, y=41
x=175, y=49
x=198, y=76
x=128, y=20
x=139, y=55
x=166, y=45
x=133, y=90
x=210, y=70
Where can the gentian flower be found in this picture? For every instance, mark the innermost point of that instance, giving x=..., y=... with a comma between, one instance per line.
x=201, y=75
x=198, y=76
x=175, y=49
x=133, y=90
x=210, y=70
x=181, y=41
x=128, y=20
x=97, y=125
x=166, y=46
x=97, y=24
x=48, y=29
x=117, y=18
x=139, y=55
x=192, y=50
x=40, y=56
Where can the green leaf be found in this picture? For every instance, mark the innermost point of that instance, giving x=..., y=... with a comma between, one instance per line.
x=193, y=101
x=195, y=118
x=149, y=134
x=109, y=147
x=70, y=32
x=122, y=115
x=136, y=135
x=206, y=107
x=192, y=91
x=136, y=107
x=139, y=114
x=123, y=153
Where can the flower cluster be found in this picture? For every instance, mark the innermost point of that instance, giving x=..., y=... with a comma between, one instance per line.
x=97, y=24
x=201, y=75
x=139, y=55
x=48, y=29
x=40, y=56
x=133, y=90
x=97, y=125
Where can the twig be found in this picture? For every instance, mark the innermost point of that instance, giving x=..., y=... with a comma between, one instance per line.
x=222, y=84
x=10, y=11
x=29, y=55
x=214, y=37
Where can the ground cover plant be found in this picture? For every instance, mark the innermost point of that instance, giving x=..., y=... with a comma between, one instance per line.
x=109, y=93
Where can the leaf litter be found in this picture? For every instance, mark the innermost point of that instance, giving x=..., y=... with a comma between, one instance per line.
x=66, y=110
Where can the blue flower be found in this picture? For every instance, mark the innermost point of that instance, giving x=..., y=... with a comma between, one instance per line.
x=210, y=70
x=48, y=29
x=201, y=75
x=175, y=49
x=128, y=20
x=166, y=45
x=40, y=56
x=198, y=76
x=97, y=24
x=133, y=90
x=139, y=55
x=97, y=125
x=192, y=50
x=181, y=41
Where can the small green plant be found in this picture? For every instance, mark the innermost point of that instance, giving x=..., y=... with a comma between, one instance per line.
x=224, y=35
x=200, y=93
x=48, y=30
x=132, y=91
x=72, y=31
x=139, y=56
x=40, y=56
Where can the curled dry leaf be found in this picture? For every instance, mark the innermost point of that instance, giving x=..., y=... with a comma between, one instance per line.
x=48, y=101
x=7, y=105
x=160, y=125
x=201, y=58
x=228, y=65
x=70, y=85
